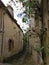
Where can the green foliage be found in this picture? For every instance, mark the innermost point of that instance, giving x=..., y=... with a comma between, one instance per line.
x=29, y=6
x=30, y=3
x=47, y=50
x=25, y=39
x=39, y=49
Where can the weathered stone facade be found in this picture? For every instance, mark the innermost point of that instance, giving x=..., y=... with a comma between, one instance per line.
x=41, y=23
x=11, y=35
x=34, y=37
x=45, y=10
x=34, y=41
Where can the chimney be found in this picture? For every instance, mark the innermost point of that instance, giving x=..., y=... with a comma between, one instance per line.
x=10, y=9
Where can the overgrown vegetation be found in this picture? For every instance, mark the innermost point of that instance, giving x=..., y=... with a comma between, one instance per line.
x=25, y=40
x=29, y=5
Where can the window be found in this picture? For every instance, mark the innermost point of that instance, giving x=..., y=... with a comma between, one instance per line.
x=11, y=44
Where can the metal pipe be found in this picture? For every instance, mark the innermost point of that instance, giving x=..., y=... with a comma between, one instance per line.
x=2, y=33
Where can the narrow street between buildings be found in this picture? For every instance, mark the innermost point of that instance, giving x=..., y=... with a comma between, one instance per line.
x=25, y=58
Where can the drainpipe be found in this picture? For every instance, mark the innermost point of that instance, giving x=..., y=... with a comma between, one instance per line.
x=2, y=34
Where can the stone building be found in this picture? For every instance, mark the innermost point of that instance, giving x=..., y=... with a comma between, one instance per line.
x=41, y=22
x=45, y=20
x=34, y=36
x=11, y=35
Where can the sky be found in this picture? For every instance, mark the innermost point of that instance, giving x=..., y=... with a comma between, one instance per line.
x=17, y=9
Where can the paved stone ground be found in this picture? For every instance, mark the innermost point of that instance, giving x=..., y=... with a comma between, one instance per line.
x=25, y=59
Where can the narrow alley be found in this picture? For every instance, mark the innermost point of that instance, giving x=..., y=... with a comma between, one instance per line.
x=24, y=58
x=24, y=32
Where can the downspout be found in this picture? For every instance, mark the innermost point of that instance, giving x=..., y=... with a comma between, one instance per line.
x=2, y=34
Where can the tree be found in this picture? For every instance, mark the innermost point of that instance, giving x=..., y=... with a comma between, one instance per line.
x=33, y=5
x=29, y=5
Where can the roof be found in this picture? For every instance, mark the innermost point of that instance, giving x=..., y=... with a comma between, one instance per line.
x=10, y=7
x=5, y=8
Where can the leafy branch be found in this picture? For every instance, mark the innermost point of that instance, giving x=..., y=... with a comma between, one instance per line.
x=29, y=5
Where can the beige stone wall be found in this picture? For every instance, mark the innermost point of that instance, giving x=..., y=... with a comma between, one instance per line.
x=34, y=40
x=32, y=21
x=11, y=31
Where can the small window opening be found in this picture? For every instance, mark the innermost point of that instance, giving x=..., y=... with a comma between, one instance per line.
x=11, y=44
